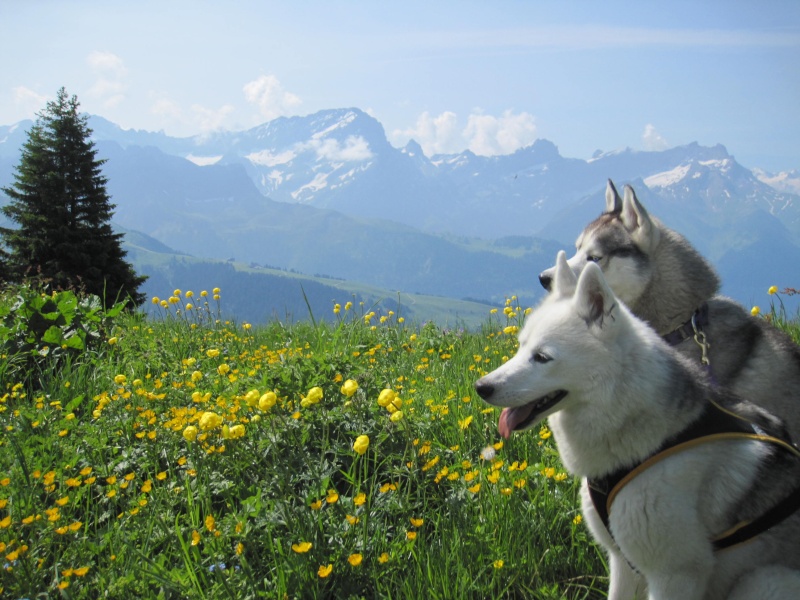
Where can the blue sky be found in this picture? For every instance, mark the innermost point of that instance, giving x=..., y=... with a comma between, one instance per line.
x=489, y=76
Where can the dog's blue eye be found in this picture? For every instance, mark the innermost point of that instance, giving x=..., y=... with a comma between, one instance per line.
x=540, y=357
x=594, y=259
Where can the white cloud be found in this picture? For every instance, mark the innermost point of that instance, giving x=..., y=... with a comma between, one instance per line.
x=110, y=86
x=209, y=119
x=268, y=95
x=653, y=140
x=436, y=135
x=28, y=101
x=486, y=135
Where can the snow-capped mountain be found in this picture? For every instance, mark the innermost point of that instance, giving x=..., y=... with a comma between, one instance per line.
x=324, y=178
x=341, y=160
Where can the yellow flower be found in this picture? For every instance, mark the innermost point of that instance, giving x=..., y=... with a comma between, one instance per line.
x=316, y=505
x=353, y=520
x=355, y=559
x=411, y=535
x=212, y=353
x=475, y=488
x=417, y=522
x=545, y=433
x=464, y=423
x=223, y=369
x=324, y=571
x=195, y=538
x=332, y=497
x=236, y=431
x=216, y=291
x=385, y=397
x=112, y=340
x=210, y=420
x=772, y=290
x=498, y=564
x=197, y=376
x=252, y=397
x=267, y=401
x=396, y=416
x=120, y=379
x=361, y=444
x=302, y=547
x=314, y=395
x=210, y=523
x=349, y=387
x=190, y=433
x=360, y=499
x=383, y=558
x=755, y=311
x=577, y=520
x=337, y=309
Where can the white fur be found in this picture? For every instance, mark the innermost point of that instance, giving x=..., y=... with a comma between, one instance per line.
x=620, y=379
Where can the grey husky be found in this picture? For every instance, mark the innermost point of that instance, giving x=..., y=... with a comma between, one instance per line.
x=674, y=511
x=668, y=284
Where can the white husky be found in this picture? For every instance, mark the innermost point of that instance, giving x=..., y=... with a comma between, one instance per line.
x=668, y=284
x=674, y=522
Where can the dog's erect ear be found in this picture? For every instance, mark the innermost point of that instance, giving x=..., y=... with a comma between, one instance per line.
x=565, y=280
x=613, y=201
x=594, y=300
x=636, y=220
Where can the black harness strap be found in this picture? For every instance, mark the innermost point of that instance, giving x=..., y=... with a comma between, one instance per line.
x=714, y=424
x=698, y=320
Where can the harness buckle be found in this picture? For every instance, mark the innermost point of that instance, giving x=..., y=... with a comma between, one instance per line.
x=700, y=340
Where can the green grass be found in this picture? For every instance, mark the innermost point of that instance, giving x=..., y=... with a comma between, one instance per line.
x=187, y=457
x=101, y=492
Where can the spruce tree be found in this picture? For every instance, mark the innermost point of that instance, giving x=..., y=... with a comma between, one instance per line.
x=59, y=202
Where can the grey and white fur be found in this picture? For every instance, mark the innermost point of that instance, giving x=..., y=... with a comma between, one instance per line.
x=613, y=391
x=659, y=275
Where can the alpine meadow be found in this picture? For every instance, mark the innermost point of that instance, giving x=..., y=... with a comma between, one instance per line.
x=188, y=456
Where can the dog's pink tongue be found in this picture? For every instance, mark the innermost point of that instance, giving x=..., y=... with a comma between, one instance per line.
x=510, y=418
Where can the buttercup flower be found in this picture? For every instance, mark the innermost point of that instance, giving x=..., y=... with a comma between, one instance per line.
x=755, y=311
x=267, y=401
x=772, y=290
x=361, y=444
x=190, y=433
x=210, y=420
x=355, y=559
x=302, y=547
x=324, y=571
x=385, y=397
x=236, y=431
x=349, y=387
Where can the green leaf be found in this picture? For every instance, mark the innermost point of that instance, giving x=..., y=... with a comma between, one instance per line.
x=53, y=335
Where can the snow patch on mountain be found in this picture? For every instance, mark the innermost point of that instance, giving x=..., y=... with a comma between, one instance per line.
x=203, y=161
x=354, y=149
x=785, y=181
x=266, y=158
x=667, y=178
x=306, y=192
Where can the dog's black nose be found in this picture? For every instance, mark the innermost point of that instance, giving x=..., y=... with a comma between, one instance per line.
x=485, y=390
x=545, y=280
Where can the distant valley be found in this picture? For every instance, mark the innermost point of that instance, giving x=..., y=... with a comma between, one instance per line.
x=326, y=195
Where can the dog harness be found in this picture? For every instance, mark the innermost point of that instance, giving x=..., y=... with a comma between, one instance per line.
x=715, y=424
x=691, y=328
